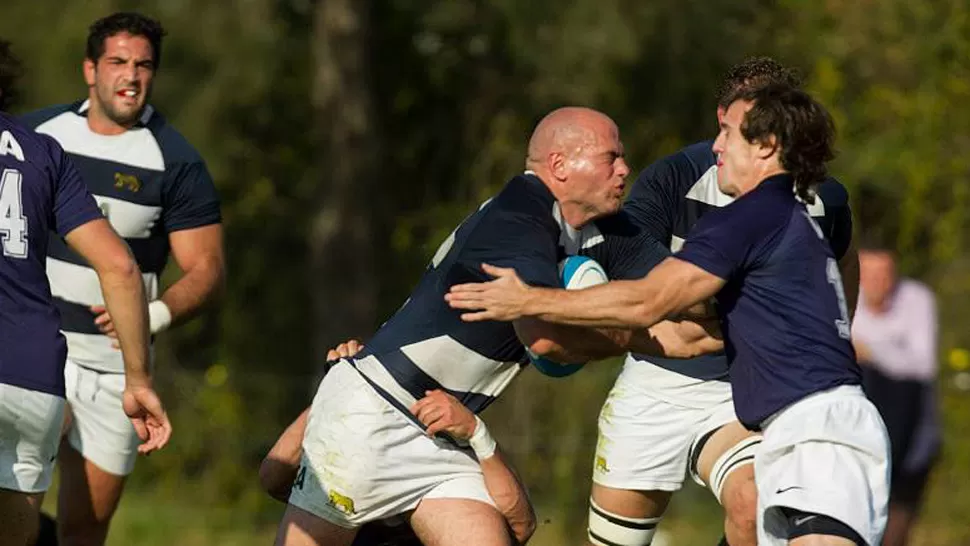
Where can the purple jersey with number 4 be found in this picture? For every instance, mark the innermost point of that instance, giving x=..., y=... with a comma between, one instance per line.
x=783, y=309
x=40, y=191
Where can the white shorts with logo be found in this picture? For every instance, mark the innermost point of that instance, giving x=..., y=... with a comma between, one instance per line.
x=648, y=422
x=826, y=454
x=99, y=430
x=364, y=461
x=30, y=427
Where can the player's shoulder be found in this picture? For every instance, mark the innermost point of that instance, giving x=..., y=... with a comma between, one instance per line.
x=175, y=148
x=27, y=141
x=39, y=117
x=832, y=192
x=524, y=194
x=682, y=168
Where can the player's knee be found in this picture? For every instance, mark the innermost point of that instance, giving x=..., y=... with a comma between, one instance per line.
x=740, y=499
x=609, y=529
x=276, y=478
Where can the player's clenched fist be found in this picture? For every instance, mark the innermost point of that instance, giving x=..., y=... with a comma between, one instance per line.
x=442, y=412
x=346, y=349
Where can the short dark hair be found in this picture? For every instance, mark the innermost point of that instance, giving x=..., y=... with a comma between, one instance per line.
x=135, y=24
x=11, y=69
x=803, y=130
x=755, y=72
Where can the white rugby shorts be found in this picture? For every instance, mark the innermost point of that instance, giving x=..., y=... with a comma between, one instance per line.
x=30, y=427
x=826, y=454
x=364, y=461
x=647, y=425
x=100, y=431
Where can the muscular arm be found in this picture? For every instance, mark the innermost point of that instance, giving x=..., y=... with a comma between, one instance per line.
x=124, y=292
x=509, y=495
x=669, y=338
x=199, y=254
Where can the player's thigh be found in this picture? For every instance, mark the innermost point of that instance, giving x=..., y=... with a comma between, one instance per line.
x=301, y=528
x=18, y=514
x=459, y=522
x=87, y=496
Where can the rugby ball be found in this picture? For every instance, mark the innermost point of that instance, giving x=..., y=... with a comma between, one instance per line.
x=575, y=272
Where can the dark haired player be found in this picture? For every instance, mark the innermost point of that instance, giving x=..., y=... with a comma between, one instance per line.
x=664, y=418
x=155, y=190
x=41, y=191
x=821, y=469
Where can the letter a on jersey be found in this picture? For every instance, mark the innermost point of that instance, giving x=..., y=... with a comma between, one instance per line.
x=10, y=146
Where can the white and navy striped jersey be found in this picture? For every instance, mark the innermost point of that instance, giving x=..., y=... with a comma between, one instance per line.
x=426, y=345
x=148, y=181
x=672, y=194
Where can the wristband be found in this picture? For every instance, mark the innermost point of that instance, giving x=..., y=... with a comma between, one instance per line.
x=159, y=316
x=481, y=441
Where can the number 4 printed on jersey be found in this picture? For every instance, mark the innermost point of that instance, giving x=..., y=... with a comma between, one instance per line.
x=13, y=224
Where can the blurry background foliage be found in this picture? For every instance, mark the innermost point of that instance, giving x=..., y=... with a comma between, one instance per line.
x=347, y=138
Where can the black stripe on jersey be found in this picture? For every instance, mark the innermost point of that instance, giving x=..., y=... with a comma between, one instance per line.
x=120, y=181
x=76, y=318
x=414, y=380
x=710, y=367
x=151, y=254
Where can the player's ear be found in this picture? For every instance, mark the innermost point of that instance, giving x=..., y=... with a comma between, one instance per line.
x=88, y=67
x=768, y=146
x=558, y=165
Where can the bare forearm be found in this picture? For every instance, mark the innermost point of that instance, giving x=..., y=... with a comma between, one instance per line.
x=678, y=339
x=124, y=296
x=509, y=495
x=616, y=304
x=193, y=290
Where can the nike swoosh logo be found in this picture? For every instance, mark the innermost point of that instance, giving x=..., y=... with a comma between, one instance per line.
x=799, y=521
x=788, y=489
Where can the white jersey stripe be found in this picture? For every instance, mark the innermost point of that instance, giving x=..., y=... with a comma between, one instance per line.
x=130, y=220
x=80, y=284
x=136, y=147
x=458, y=368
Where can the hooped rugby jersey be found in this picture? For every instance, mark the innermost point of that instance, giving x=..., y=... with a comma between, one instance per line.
x=672, y=194
x=425, y=345
x=40, y=191
x=148, y=181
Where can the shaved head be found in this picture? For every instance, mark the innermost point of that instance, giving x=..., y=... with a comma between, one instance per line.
x=568, y=131
x=577, y=154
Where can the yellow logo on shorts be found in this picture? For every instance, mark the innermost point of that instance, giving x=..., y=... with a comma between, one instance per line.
x=601, y=465
x=340, y=502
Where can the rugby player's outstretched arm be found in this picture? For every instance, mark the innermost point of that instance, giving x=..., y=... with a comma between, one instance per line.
x=671, y=287
x=677, y=338
x=124, y=295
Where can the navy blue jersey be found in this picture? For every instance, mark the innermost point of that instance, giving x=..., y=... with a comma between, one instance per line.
x=427, y=346
x=149, y=182
x=784, y=313
x=672, y=194
x=40, y=191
